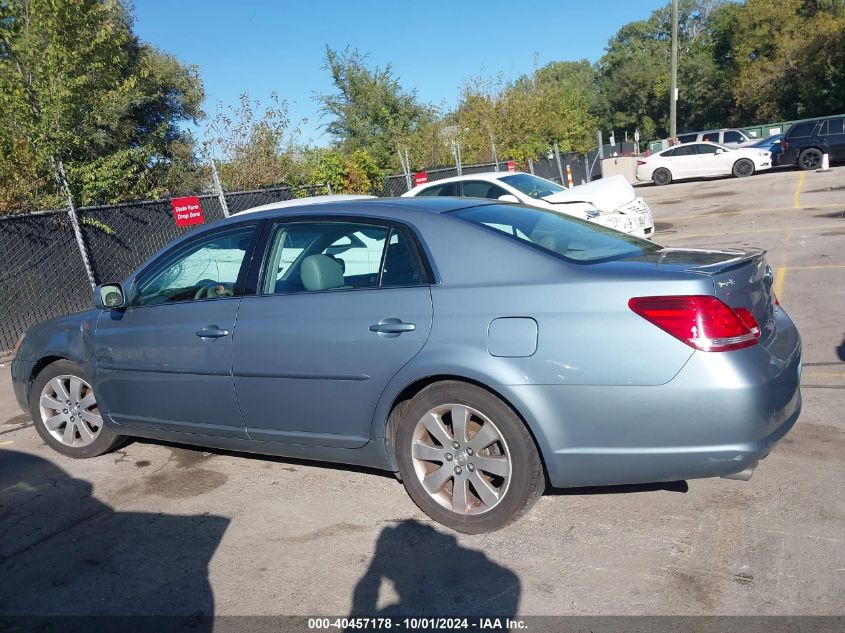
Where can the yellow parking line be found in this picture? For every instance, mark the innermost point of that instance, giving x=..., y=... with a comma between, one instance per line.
x=828, y=374
x=706, y=215
x=787, y=228
x=7, y=442
x=780, y=274
x=819, y=267
x=796, y=198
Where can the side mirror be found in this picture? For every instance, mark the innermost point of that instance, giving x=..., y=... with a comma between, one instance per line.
x=508, y=197
x=720, y=151
x=109, y=297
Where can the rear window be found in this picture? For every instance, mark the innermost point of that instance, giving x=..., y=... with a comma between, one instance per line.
x=802, y=129
x=569, y=238
x=447, y=189
x=687, y=138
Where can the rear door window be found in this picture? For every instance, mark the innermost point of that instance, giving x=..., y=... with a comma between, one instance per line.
x=446, y=189
x=832, y=126
x=732, y=136
x=703, y=148
x=687, y=138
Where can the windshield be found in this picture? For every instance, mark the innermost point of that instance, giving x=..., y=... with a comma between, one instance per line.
x=531, y=185
x=572, y=239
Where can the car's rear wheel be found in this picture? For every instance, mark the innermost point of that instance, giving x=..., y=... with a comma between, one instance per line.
x=810, y=158
x=661, y=176
x=466, y=459
x=743, y=167
x=65, y=412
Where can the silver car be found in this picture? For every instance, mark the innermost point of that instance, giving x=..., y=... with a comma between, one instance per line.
x=488, y=349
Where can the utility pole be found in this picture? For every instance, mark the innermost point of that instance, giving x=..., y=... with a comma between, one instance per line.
x=673, y=97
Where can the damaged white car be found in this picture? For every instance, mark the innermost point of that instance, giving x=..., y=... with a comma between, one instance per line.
x=610, y=201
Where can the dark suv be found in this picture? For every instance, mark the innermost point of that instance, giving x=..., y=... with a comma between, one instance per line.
x=806, y=141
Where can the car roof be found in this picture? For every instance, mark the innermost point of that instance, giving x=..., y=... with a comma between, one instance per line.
x=719, y=145
x=816, y=118
x=297, y=202
x=482, y=175
x=366, y=206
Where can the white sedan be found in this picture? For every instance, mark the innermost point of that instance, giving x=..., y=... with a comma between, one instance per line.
x=701, y=160
x=610, y=201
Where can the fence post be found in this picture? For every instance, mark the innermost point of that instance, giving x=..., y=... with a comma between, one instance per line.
x=559, y=166
x=406, y=169
x=74, y=221
x=493, y=148
x=531, y=166
x=587, y=167
x=218, y=187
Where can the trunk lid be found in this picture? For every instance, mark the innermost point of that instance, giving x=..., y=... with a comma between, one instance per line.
x=607, y=194
x=741, y=278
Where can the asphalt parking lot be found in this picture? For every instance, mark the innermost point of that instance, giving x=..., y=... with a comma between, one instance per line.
x=157, y=528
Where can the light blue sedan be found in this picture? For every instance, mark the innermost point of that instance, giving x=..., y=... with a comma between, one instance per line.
x=484, y=350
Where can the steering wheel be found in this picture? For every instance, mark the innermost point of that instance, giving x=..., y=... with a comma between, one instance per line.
x=213, y=289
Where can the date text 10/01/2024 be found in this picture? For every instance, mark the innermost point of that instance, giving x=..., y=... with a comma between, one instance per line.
x=413, y=624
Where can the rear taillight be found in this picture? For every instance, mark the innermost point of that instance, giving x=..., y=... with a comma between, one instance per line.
x=701, y=321
x=784, y=145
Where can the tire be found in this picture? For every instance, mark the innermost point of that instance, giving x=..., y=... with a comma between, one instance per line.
x=743, y=168
x=810, y=158
x=81, y=435
x=661, y=176
x=494, y=437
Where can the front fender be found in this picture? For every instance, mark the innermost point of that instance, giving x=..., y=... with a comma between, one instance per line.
x=69, y=337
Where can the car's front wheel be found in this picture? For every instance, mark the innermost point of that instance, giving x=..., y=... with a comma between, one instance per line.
x=661, y=176
x=743, y=167
x=466, y=459
x=65, y=412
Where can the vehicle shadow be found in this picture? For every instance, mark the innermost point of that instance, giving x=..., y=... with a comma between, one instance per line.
x=64, y=552
x=262, y=457
x=432, y=575
x=840, y=350
x=668, y=486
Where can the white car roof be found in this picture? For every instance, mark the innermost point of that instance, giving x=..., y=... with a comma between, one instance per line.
x=298, y=202
x=719, y=145
x=489, y=176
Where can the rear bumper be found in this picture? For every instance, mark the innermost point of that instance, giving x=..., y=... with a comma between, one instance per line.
x=718, y=416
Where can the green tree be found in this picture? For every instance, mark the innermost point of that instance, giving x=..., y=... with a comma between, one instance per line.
x=634, y=73
x=369, y=110
x=77, y=85
x=787, y=57
x=254, y=144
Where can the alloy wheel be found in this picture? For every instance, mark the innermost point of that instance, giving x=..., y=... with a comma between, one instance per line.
x=69, y=411
x=461, y=459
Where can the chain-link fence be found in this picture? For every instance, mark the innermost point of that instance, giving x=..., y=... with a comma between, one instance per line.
x=44, y=276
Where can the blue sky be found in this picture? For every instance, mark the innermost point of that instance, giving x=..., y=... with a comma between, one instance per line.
x=261, y=46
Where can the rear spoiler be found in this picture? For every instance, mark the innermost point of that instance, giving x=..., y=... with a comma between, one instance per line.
x=733, y=259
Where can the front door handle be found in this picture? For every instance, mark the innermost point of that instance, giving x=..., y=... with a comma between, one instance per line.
x=393, y=327
x=212, y=331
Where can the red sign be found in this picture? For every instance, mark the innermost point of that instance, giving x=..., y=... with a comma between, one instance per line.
x=511, y=166
x=187, y=211
x=421, y=177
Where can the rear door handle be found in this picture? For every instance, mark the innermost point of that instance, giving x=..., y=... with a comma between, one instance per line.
x=212, y=331
x=392, y=326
